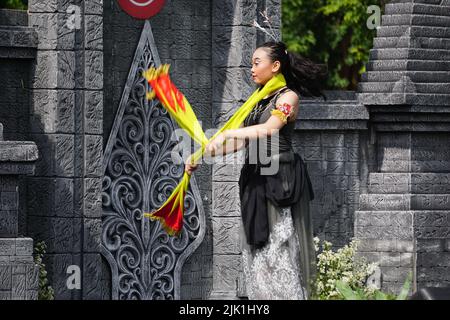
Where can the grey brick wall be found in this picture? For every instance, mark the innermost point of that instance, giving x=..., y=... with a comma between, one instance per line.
x=403, y=217
x=15, y=98
x=331, y=136
x=64, y=198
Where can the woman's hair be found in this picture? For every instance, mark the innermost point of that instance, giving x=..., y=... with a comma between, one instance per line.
x=302, y=75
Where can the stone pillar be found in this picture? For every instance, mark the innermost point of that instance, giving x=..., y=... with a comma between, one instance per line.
x=19, y=275
x=66, y=123
x=234, y=40
x=404, y=218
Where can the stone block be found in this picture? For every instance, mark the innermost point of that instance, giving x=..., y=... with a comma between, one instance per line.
x=226, y=269
x=383, y=259
x=94, y=155
x=228, y=168
x=8, y=223
x=333, y=139
x=225, y=199
x=18, y=287
x=56, y=30
x=55, y=197
x=56, y=153
x=61, y=235
x=93, y=7
x=336, y=154
x=7, y=246
x=232, y=85
x=226, y=235
x=92, y=199
x=52, y=111
x=14, y=152
x=335, y=167
x=32, y=277
x=49, y=6
x=93, y=32
x=241, y=12
x=92, y=235
x=24, y=247
x=93, y=70
x=336, y=182
x=5, y=278
x=92, y=277
x=57, y=266
x=54, y=69
x=233, y=46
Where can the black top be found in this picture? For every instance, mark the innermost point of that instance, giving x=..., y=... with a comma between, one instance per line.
x=260, y=182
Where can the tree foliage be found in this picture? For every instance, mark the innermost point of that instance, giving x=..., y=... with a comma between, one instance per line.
x=14, y=4
x=334, y=32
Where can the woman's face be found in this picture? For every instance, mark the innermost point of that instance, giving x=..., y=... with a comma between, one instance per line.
x=263, y=69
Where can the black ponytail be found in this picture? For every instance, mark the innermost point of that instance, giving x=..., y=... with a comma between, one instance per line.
x=302, y=75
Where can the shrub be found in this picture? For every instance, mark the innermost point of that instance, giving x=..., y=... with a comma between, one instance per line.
x=45, y=291
x=341, y=265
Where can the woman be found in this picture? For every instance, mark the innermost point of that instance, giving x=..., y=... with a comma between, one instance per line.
x=277, y=241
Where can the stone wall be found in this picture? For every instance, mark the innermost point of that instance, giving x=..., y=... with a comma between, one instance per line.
x=331, y=136
x=403, y=219
x=64, y=198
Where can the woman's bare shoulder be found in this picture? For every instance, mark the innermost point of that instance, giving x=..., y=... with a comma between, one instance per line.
x=288, y=96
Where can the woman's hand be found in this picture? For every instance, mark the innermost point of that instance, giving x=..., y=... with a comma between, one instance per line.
x=216, y=144
x=189, y=168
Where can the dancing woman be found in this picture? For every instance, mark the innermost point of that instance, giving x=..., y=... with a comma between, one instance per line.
x=277, y=232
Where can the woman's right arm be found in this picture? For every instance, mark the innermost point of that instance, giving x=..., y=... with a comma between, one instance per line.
x=227, y=148
x=230, y=146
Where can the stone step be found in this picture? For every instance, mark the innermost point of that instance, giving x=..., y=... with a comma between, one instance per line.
x=414, y=183
x=420, y=223
x=392, y=218
x=416, y=42
x=384, y=202
x=404, y=65
x=415, y=20
x=317, y=111
x=399, y=87
x=416, y=31
x=384, y=225
x=334, y=96
x=415, y=76
x=410, y=54
x=416, y=8
x=416, y=99
x=388, y=202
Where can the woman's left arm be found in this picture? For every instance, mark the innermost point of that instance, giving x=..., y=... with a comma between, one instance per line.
x=286, y=109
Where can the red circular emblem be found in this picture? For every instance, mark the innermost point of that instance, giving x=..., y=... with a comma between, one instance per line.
x=141, y=9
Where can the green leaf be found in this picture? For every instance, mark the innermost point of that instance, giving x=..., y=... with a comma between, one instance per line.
x=345, y=290
x=405, y=289
x=381, y=295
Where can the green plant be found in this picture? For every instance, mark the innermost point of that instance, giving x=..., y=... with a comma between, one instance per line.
x=332, y=32
x=342, y=265
x=358, y=294
x=14, y=4
x=45, y=291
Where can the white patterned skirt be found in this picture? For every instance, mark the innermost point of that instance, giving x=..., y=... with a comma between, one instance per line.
x=283, y=269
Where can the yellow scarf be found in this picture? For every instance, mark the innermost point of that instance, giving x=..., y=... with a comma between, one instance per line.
x=170, y=214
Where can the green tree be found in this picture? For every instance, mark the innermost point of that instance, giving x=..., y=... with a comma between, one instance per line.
x=14, y=4
x=334, y=32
